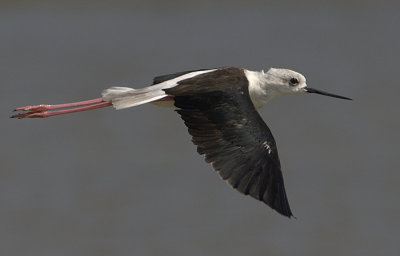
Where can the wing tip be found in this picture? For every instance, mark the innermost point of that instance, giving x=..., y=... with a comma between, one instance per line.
x=275, y=197
x=288, y=214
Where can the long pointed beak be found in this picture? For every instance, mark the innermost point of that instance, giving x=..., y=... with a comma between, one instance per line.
x=311, y=90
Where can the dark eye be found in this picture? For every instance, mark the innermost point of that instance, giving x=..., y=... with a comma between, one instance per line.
x=294, y=81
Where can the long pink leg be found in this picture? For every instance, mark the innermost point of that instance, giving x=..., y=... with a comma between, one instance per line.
x=43, y=107
x=42, y=111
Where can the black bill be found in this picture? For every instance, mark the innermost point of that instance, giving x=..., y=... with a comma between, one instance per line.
x=311, y=90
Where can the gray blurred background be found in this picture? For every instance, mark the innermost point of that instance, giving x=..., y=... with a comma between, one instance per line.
x=130, y=182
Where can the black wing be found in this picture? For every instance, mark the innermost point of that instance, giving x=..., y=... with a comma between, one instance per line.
x=228, y=130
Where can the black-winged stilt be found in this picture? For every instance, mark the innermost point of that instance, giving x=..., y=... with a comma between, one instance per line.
x=219, y=108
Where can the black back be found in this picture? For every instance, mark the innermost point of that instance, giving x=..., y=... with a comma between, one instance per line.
x=163, y=78
x=227, y=129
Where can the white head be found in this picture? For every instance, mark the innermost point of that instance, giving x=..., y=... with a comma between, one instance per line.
x=281, y=81
x=277, y=82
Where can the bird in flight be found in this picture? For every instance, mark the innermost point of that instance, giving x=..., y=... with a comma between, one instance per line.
x=219, y=107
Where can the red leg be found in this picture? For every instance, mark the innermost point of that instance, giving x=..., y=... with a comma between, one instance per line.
x=41, y=111
x=43, y=107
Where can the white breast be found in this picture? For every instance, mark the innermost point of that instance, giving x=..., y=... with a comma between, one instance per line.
x=258, y=94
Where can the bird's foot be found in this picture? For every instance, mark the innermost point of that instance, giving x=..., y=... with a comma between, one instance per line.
x=35, y=108
x=31, y=114
x=36, y=111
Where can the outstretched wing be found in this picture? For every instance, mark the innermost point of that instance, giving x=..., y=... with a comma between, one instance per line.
x=227, y=129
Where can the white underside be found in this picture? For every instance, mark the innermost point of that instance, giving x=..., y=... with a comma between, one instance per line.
x=125, y=97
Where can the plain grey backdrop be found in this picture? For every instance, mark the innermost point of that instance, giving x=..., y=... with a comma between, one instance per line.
x=130, y=182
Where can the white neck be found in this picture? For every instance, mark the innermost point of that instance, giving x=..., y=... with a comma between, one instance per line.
x=259, y=91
